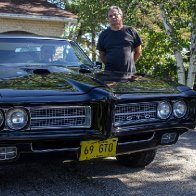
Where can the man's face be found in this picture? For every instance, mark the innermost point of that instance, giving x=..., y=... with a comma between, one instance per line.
x=114, y=17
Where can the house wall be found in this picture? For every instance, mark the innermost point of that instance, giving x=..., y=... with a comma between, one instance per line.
x=45, y=28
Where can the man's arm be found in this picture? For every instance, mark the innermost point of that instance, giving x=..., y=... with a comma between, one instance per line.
x=137, y=53
x=102, y=56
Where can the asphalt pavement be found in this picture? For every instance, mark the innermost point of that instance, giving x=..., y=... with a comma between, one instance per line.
x=173, y=172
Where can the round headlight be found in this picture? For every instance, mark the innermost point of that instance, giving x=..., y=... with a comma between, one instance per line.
x=16, y=119
x=1, y=118
x=164, y=110
x=179, y=109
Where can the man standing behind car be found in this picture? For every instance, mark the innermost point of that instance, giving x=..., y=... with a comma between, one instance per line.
x=119, y=46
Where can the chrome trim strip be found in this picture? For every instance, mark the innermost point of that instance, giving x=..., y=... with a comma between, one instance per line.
x=118, y=114
x=54, y=150
x=55, y=127
x=62, y=117
x=139, y=121
x=135, y=142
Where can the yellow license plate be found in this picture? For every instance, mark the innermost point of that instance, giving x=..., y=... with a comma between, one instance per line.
x=98, y=148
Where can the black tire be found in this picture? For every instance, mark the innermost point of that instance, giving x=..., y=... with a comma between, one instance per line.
x=138, y=159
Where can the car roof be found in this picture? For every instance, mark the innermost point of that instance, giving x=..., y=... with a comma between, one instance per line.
x=30, y=36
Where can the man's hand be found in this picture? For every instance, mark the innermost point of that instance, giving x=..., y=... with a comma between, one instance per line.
x=102, y=56
x=137, y=53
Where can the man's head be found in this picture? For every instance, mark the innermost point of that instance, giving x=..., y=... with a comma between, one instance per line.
x=47, y=53
x=115, y=16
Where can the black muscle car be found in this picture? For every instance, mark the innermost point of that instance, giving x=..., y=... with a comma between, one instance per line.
x=54, y=99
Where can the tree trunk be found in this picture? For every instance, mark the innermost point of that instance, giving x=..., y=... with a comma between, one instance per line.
x=176, y=49
x=93, y=47
x=192, y=66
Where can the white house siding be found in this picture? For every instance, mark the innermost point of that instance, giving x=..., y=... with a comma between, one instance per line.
x=45, y=28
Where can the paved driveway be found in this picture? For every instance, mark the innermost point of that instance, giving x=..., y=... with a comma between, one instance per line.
x=172, y=173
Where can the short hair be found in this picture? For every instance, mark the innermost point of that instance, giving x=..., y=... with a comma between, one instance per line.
x=114, y=7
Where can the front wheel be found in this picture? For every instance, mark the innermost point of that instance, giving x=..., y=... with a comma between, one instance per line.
x=138, y=159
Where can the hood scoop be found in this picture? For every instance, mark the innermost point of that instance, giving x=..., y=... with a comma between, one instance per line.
x=41, y=71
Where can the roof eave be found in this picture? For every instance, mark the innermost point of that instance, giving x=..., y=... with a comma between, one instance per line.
x=39, y=18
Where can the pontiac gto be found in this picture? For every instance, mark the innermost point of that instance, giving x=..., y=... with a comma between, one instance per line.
x=54, y=99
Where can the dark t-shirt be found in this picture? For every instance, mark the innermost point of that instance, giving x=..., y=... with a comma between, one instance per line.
x=118, y=47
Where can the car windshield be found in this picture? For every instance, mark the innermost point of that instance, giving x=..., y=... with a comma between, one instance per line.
x=36, y=51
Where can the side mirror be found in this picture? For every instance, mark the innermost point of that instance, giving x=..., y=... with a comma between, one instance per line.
x=84, y=69
x=98, y=65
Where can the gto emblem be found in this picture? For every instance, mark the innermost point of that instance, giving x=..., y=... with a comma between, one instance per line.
x=138, y=117
x=147, y=116
x=129, y=118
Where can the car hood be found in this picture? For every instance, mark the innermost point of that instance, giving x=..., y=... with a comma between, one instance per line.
x=139, y=84
x=29, y=81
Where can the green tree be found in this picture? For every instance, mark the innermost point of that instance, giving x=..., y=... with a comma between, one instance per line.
x=170, y=26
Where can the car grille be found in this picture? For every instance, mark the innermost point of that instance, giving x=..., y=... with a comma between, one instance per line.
x=60, y=117
x=134, y=113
